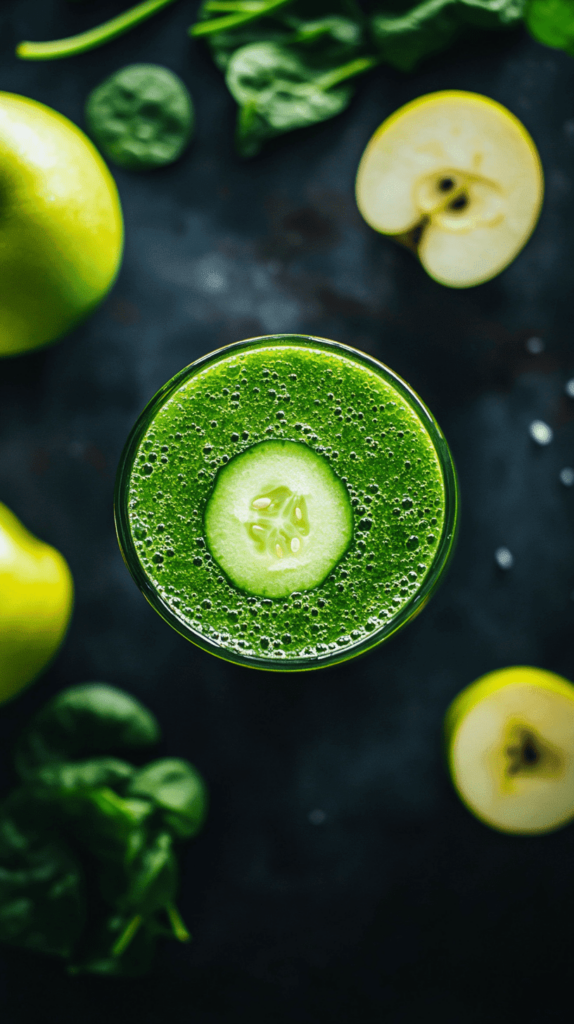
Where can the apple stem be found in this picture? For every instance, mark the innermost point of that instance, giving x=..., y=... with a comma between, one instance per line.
x=94, y=37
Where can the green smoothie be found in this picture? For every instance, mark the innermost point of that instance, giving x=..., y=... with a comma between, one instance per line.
x=286, y=503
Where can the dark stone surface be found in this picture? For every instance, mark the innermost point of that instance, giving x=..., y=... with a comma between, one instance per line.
x=395, y=905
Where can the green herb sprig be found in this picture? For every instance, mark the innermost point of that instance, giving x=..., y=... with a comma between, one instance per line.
x=88, y=841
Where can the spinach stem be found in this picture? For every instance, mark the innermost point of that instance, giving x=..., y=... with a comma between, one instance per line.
x=233, y=6
x=179, y=930
x=127, y=935
x=93, y=37
x=354, y=67
x=212, y=25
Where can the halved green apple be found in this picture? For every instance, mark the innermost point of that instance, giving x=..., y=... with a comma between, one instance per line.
x=510, y=749
x=457, y=178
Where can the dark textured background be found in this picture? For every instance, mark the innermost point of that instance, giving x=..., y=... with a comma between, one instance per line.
x=400, y=906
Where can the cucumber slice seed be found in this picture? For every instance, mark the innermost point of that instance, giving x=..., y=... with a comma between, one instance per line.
x=278, y=519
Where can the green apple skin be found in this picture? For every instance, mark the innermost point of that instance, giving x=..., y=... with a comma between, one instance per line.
x=473, y=695
x=36, y=599
x=61, y=227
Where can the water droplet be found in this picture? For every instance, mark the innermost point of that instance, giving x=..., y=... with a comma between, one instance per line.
x=567, y=476
x=413, y=542
x=541, y=432
x=504, y=558
x=535, y=346
x=569, y=388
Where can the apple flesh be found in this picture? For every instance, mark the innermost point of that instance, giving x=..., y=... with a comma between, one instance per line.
x=510, y=749
x=457, y=178
x=61, y=229
x=36, y=597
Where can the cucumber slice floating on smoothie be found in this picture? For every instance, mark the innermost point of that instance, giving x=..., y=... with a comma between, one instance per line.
x=278, y=519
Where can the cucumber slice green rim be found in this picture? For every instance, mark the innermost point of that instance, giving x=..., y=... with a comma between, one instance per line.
x=278, y=519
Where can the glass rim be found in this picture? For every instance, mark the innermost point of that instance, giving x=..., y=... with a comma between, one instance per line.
x=409, y=610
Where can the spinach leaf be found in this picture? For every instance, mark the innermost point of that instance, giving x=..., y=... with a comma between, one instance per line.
x=403, y=40
x=42, y=902
x=277, y=92
x=65, y=777
x=92, y=718
x=88, y=869
x=552, y=22
x=178, y=789
x=110, y=827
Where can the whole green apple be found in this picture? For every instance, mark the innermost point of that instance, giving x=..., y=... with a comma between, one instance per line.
x=36, y=597
x=61, y=228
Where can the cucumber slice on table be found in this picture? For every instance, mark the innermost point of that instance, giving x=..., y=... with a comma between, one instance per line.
x=278, y=519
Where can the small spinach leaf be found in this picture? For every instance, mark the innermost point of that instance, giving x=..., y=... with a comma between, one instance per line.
x=178, y=789
x=552, y=23
x=141, y=117
x=93, y=718
x=276, y=93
